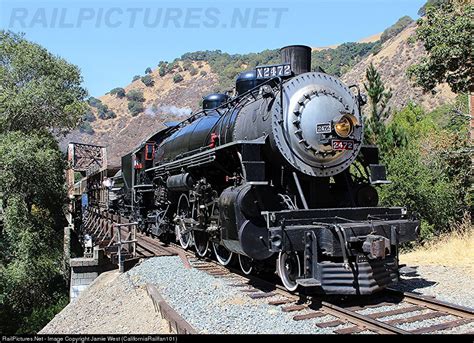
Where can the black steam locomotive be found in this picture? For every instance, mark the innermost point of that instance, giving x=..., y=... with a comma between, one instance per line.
x=276, y=176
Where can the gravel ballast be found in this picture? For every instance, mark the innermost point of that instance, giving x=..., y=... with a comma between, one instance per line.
x=211, y=305
x=111, y=305
x=118, y=303
x=449, y=284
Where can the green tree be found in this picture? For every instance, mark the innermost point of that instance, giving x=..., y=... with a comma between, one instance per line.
x=37, y=89
x=119, y=92
x=135, y=108
x=379, y=109
x=135, y=95
x=446, y=33
x=163, y=70
x=105, y=113
x=94, y=102
x=39, y=94
x=430, y=172
x=136, y=77
x=148, y=70
x=86, y=127
x=32, y=184
x=429, y=4
x=148, y=80
x=396, y=28
x=89, y=116
x=177, y=78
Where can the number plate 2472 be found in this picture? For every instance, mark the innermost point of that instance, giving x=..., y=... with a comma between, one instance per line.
x=266, y=72
x=338, y=144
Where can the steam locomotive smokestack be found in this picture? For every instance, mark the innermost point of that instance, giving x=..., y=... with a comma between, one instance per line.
x=298, y=56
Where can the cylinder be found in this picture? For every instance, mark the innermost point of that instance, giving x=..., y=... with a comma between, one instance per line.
x=298, y=56
x=180, y=183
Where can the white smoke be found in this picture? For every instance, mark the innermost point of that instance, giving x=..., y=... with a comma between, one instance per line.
x=177, y=111
x=150, y=112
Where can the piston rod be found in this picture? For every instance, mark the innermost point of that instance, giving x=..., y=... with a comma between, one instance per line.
x=300, y=191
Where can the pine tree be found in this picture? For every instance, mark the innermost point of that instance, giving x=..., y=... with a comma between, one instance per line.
x=380, y=111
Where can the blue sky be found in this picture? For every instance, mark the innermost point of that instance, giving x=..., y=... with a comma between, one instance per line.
x=113, y=40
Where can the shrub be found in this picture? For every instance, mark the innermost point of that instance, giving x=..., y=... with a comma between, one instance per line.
x=135, y=107
x=136, y=77
x=135, y=95
x=193, y=71
x=345, y=56
x=187, y=65
x=148, y=80
x=89, y=116
x=119, y=92
x=177, y=78
x=148, y=70
x=376, y=48
x=85, y=127
x=163, y=70
x=396, y=28
x=430, y=4
x=94, y=102
x=430, y=171
x=105, y=113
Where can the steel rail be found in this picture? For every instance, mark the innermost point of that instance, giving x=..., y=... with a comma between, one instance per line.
x=269, y=288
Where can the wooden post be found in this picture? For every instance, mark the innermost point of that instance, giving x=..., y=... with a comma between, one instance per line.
x=471, y=113
x=67, y=254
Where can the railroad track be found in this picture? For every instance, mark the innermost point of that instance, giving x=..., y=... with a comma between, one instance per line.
x=383, y=313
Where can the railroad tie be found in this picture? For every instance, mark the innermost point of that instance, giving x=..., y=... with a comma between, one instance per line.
x=280, y=302
x=420, y=317
x=348, y=331
x=330, y=324
x=261, y=295
x=309, y=315
x=361, y=307
x=442, y=326
x=293, y=308
x=394, y=312
x=238, y=285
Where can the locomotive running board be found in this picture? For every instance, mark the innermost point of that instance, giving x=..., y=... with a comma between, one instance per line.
x=201, y=158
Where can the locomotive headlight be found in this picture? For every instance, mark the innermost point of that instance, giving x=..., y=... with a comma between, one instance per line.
x=344, y=127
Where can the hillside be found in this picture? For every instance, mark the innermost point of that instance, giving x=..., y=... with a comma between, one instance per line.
x=164, y=101
x=370, y=39
x=392, y=61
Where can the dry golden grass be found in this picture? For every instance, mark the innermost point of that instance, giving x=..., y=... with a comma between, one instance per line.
x=455, y=249
x=371, y=39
